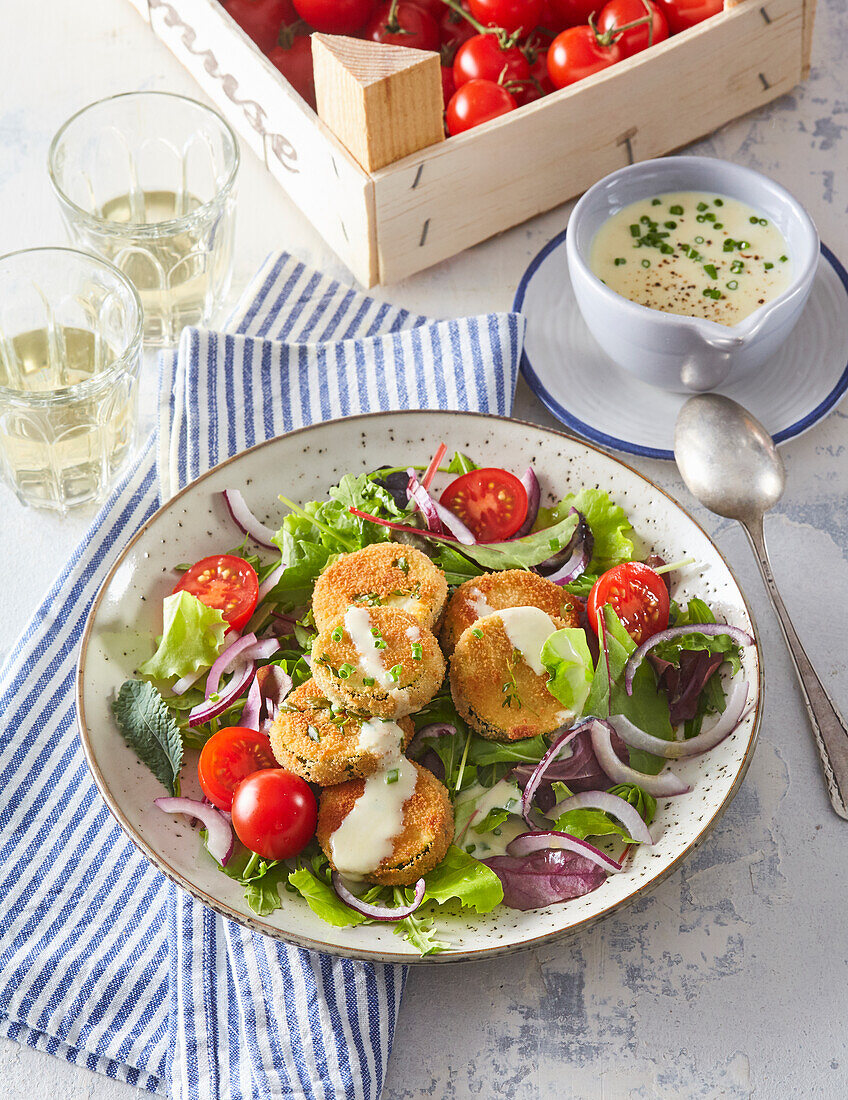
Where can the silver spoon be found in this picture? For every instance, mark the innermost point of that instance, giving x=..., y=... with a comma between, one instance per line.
x=730, y=463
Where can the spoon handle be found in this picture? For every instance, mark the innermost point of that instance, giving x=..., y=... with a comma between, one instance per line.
x=829, y=728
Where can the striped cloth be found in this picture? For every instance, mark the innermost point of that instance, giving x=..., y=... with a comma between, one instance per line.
x=102, y=961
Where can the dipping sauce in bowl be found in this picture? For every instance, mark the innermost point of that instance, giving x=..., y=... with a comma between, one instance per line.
x=693, y=253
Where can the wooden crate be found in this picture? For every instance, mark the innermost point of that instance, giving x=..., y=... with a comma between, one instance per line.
x=445, y=198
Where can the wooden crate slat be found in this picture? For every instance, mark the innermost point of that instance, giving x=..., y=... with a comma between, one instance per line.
x=434, y=204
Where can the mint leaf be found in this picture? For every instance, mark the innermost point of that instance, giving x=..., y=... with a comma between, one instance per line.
x=149, y=729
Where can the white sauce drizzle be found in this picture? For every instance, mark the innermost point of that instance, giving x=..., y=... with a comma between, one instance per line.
x=380, y=736
x=479, y=604
x=358, y=626
x=528, y=628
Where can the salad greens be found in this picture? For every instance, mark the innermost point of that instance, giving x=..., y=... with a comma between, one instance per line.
x=608, y=521
x=192, y=638
x=569, y=664
x=147, y=727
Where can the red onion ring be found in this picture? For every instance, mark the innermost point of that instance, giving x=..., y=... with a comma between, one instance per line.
x=425, y=504
x=660, y=786
x=580, y=548
x=245, y=520
x=534, y=498
x=219, y=833
x=739, y=636
x=226, y=661
x=182, y=686
x=539, y=773
x=250, y=714
x=377, y=912
x=274, y=686
x=610, y=804
x=454, y=524
x=209, y=709
x=270, y=581
x=526, y=843
x=707, y=739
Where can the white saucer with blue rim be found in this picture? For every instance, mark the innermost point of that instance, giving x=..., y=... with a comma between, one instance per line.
x=590, y=394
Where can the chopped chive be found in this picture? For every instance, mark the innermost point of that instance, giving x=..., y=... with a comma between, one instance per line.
x=379, y=643
x=737, y=267
x=701, y=206
x=477, y=632
x=655, y=202
x=768, y=266
x=646, y=263
x=762, y=221
x=711, y=270
x=753, y=219
x=718, y=225
x=700, y=218
x=699, y=240
x=369, y=681
x=670, y=225
x=375, y=632
x=783, y=259
x=402, y=564
x=675, y=210
x=718, y=202
x=645, y=220
x=712, y=292
x=619, y=260
x=635, y=231
x=417, y=651
x=337, y=634
x=666, y=249
x=314, y=735
x=743, y=245
x=470, y=848
x=709, y=217
x=345, y=670
x=393, y=776
x=729, y=245
x=394, y=673
x=733, y=285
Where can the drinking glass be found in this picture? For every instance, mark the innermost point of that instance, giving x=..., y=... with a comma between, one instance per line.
x=146, y=179
x=70, y=353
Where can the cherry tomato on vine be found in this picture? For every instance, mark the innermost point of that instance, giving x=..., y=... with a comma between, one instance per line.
x=572, y=13
x=481, y=58
x=403, y=24
x=454, y=30
x=638, y=596
x=262, y=19
x=434, y=8
x=448, y=84
x=510, y=15
x=617, y=13
x=682, y=14
x=335, y=16
x=274, y=813
x=229, y=756
x=491, y=502
x=536, y=52
x=226, y=582
x=295, y=63
x=575, y=54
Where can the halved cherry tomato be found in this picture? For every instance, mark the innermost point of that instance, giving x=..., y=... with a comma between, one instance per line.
x=491, y=502
x=638, y=596
x=225, y=582
x=618, y=13
x=230, y=755
x=274, y=813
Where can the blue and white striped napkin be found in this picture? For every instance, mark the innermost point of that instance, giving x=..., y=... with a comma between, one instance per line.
x=103, y=962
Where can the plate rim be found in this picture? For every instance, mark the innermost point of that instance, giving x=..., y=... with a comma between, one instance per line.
x=256, y=924
x=595, y=435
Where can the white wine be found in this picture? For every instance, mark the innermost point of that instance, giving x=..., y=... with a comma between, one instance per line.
x=178, y=260
x=67, y=425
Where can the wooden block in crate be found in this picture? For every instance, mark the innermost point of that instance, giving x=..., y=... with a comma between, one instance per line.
x=382, y=102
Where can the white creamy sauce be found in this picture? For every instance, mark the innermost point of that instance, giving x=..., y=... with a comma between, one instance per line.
x=528, y=628
x=358, y=626
x=494, y=843
x=365, y=837
x=693, y=253
x=478, y=604
x=413, y=633
x=477, y=801
x=380, y=736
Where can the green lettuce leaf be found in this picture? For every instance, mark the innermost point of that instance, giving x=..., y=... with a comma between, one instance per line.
x=583, y=823
x=462, y=877
x=323, y=900
x=461, y=464
x=148, y=727
x=567, y=659
x=608, y=521
x=192, y=638
x=516, y=553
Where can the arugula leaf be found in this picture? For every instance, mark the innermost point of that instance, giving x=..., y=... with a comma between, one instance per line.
x=192, y=638
x=608, y=521
x=420, y=932
x=567, y=659
x=466, y=879
x=323, y=900
x=461, y=464
x=149, y=729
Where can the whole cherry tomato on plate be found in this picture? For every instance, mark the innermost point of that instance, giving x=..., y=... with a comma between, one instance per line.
x=229, y=756
x=274, y=813
x=576, y=53
x=294, y=60
x=618, y=13
x=638, y=596
x=335, y=16
x=403, y=23
x=481, y=58
x=262, y=19
x=476, y=102
x=510, y=15
x=491, y=502
x=226, y=582
x=682, y=14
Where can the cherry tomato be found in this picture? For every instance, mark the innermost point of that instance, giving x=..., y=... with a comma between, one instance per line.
x=295, y=63
x=617, y=13
x=448, y=84
x=453, y=31
x=410, y=26
x=335, y=16
x=572, y=13
x=262, y=19
x=575, y=54
x=229, y=756
x=434, y=8
x=481, y=58
x=638, y=596
x=511, y=15
x=536, y=52
x=274, y=813
x=490, y=501
x=682, y=14
x=477, y=102
x=225, y=582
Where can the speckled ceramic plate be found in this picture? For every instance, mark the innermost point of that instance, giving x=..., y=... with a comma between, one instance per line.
x=303, y=465
x=586, y=391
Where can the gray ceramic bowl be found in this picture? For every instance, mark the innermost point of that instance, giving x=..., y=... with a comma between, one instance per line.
x=665, y=349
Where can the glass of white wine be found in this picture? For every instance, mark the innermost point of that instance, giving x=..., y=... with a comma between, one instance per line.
x=147, y=180
x=70, y=354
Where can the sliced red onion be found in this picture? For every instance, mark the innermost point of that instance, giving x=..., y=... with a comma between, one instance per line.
x=246, y=520
x=262, y=650
x=270, y=581
x=739, y=636
x=435, y=729
x=238, y=682
x=534, y=499
x=611, y=804
x=574, y=560
x=707, y=739
x=219, y=833
x=250, y=714
x=527, y=843
x=182, y=686
x=430, y=472
x=226, y=661
x=454, y=525
x=539, y=773
x=663, y=785
x=274, y=686
x=425, y=504
x=378, y=912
